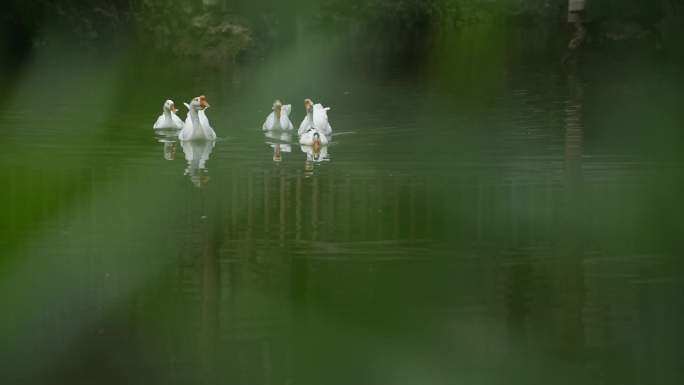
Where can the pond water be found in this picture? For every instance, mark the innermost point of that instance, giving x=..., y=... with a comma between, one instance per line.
x=482, y=216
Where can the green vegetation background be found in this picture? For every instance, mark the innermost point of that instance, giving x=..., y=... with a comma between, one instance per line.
x=219, y=30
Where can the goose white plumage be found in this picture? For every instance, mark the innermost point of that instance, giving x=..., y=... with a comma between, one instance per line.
x=197, y=125
x=168, y=119
x=279, y=119
x=316, y=117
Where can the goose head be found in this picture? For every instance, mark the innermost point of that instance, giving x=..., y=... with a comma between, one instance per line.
x=203, y=102
x=197, y=104
x=170, y=106
x=308, y=105
x=277, y=108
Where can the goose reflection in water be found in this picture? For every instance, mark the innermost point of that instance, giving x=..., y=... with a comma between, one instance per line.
x=169, y=150
x=280, y=142
x=196, y=154
x=169, y=139
x=314, y=154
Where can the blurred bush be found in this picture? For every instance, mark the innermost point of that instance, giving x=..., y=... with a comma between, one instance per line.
x=190, y=29
x=194, y=28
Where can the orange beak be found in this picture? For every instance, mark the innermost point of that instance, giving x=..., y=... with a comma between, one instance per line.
x=173, y=108
x=307, y=103
x=203, y=102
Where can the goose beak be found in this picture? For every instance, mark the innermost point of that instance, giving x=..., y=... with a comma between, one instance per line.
x=203, y=102
x=173, y=108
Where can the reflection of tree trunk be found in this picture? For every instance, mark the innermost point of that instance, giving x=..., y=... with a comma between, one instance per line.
x=299, y=286
x=429, y=208
x=13, y=188
x=331, y=206
x=363, y=224
x=480, y=210
x=243, y=365
x=233, y=200
x=267, y=205
x=210, y=286
x=576, y=16
x=298, y=209
x=348, y=212
x=514, y=212
x=314, y=210
x=518, y=292
x=210, y=299
x=570, y=267
x=267, y=368
x=380, y=211
x=573, y=137
x=250, y=203
x=397, y=216
x=282, y=210
x=412, y=209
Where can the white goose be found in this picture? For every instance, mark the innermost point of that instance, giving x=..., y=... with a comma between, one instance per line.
x=196, y=125
x=316, y=118
x=279, y=119
x=168, y=119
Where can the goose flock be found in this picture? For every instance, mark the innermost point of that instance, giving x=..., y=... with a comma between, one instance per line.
x=314, y=131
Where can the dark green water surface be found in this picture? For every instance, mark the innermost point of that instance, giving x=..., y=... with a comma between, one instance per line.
x=483, y=216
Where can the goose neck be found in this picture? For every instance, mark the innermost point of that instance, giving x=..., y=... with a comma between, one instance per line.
x=194, y=116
